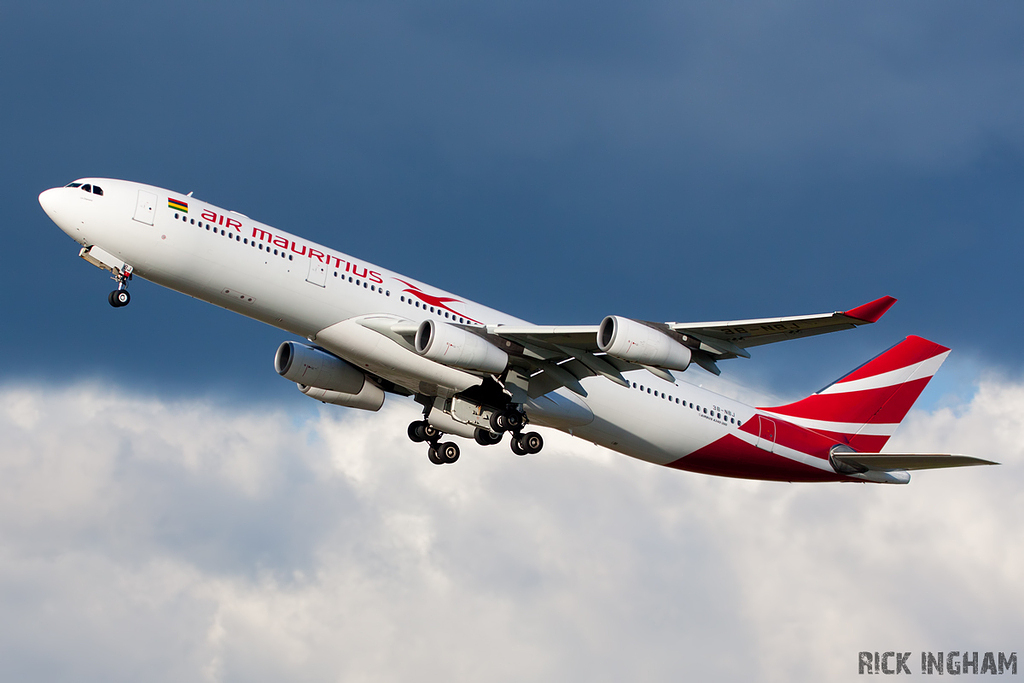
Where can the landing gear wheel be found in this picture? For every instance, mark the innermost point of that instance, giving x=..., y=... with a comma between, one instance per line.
x=531, y=442
x=517, y=446
x=514, y=420
x=421, y=431
x=485, y=437
x=498, y=424
x=434, y=457
x=119, y=298
x=414, y=432
x=448, y=452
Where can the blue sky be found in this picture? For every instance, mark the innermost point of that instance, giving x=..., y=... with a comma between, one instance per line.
x=173, y=510
x=558, y=161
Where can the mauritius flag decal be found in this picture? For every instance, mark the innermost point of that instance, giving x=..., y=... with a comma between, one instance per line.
x=177, y=205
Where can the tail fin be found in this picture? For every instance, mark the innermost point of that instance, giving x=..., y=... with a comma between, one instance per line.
x=864, y=408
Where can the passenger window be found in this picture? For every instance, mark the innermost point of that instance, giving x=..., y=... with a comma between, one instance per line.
x=97, y=190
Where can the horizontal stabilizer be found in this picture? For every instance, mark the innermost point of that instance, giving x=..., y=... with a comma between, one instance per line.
x=906, y=461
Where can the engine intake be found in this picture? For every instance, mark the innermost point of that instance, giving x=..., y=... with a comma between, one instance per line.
x=313, y=367
x=639, y=343
x=457, y=347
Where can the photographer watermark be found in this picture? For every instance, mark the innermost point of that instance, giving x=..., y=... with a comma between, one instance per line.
x=953, y=663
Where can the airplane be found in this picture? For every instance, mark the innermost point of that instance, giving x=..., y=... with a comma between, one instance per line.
x=479, y=373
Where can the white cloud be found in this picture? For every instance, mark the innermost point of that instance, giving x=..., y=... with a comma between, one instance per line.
x=185, y=540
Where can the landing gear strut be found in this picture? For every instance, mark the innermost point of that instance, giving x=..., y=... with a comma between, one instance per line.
x=438, y=453
x=120, y=296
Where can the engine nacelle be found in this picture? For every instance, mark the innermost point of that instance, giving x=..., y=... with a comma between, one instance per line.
x=458, y=348
x=312, y=367
x=638, y=343
x=370, y=397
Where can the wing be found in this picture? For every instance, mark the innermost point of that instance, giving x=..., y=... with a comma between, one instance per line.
x=566, y=354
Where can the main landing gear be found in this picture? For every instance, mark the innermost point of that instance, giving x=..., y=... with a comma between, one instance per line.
x=120, y=296
x=511, y=420
x=438, y=453
x=508, y=420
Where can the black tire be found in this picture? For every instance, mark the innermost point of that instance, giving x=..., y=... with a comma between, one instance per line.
x=514, y=420
x=532, y=442
x=517, y=446
x=121, y=296
x=448, y=452
x=497, y=421
x=430, y=432
x=416, y=432
x=112, y=301
x=433, y=456
x=485, y=437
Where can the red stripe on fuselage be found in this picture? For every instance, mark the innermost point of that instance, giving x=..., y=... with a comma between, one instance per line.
x=733, y=457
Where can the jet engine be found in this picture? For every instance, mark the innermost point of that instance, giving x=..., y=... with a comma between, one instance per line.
x=313, y=367
x=639, y=343
x=457, y=347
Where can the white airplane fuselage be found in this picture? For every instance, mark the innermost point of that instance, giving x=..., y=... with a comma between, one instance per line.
x=305, y=288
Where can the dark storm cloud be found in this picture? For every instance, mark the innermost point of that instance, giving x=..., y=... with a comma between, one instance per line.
x=560, y=161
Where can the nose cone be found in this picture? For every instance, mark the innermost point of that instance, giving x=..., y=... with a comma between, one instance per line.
x=48, y=199
x=56, y=204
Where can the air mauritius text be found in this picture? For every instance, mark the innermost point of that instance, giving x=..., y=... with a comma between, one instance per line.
x=952, y=662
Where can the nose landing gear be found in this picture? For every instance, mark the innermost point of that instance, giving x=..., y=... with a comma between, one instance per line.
x=120, y=296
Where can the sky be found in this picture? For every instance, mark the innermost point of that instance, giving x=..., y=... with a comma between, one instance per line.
x=177, y=510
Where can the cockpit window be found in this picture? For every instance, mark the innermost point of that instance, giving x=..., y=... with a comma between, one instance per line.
x=87, y=188
x=73, y=185
x=96, y=189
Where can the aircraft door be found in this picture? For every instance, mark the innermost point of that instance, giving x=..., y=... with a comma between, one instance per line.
x=766, y=434
x=317, y=273
x=145, y=207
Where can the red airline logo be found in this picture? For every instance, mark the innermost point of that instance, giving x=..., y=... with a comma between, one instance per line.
x=438, y=301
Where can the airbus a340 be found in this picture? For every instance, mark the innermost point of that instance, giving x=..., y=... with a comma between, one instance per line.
x=480, y=373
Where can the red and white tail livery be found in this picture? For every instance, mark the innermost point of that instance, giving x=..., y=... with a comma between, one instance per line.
x=370, y=333
x=864, y=408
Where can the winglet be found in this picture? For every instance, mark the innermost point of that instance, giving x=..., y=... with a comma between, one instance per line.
x=871, y=311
